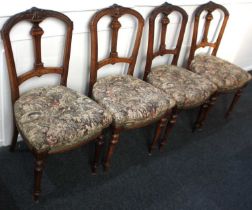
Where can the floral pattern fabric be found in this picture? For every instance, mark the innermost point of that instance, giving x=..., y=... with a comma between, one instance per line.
x=52, y=118
x=187, y=88
x=225, y=75
x=131, y=101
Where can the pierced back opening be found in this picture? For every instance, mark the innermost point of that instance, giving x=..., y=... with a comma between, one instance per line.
x=209, y=7
x=35, y=16
x=165, y=9
x=115, y=12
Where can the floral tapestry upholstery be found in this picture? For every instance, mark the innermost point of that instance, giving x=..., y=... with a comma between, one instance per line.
x=53, y=118
x=225, y=75
x=187, y=88
x=131, y=101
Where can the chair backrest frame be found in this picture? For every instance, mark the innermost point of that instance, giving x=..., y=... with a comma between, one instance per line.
x=115, y=11
x=165, y=9
x=35, y=16
x=209, y=8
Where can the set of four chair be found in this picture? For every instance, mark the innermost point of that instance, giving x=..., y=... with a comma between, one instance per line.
x=57, y=119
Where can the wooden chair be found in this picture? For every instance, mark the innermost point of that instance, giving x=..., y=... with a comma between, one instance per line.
x=187, y=88
x=226, y=76
x=52, y=119
x=132, y=102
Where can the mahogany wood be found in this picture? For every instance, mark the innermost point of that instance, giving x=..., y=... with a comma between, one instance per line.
x=165, y=10
x=35, y=16
x=115, y=12
x=169, y=127
x=209, y=7
x=98, y=147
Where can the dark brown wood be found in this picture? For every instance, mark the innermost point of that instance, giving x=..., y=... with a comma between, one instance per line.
x=165, y=9
x=160, y=126
x=14, y=138
x=234, y=101
x=98, y=148
x=38, y=171
x=35, y=16
x=169, y=127
x=113, y=142
x=204, y=110
x=115, y=12
x=210, y=7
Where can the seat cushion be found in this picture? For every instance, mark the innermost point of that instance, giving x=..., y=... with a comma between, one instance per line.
x=131, y=101
x=225, y=75
x=57, y=117
x=187, y=88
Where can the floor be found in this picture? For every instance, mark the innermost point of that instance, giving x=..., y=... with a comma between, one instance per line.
x=207, y=170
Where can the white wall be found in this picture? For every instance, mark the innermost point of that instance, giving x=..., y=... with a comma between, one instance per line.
x=235, y=46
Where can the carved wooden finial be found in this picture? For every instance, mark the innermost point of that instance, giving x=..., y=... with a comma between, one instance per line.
x=166, y=4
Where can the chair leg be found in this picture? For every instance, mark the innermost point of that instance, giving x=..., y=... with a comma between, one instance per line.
x=159, y=129
x=14, y=138
x=169, y=128
x=98, y=147
x=113, y=142
x=204, y=110
x=38, y=170
x=234, y=102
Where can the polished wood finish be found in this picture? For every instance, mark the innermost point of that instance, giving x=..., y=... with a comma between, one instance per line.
x=112, y=145
x=159, y=129
x=98, y=148
x=35, y=16
x=165, y=9
x=203, y=112
x=38, y=171
x=115, y=12
x=169, y=127
x=209, y=7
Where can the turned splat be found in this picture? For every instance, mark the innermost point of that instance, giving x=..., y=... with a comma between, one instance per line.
x=115, y=12
x=37, y=32
x=35, y=16
x=165, y=10
x=209, y=7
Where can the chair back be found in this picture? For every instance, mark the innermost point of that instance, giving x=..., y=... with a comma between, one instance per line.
x=165, y=9
x=35, y=16
x=115, y=12
x=209, y=7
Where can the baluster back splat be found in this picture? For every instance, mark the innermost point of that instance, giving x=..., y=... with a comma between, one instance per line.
x=209, y=7
x=37, y=32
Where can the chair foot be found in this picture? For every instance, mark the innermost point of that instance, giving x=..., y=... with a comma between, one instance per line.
x=159, y=129
x=114, y=141
x=38, y=171
x=14, y=139
x=169, y=128
x=234, y=102
x=98, y=147
x=203, y=113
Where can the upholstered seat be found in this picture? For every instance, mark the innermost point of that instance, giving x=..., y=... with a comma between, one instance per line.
x=187, y=88
x=225, y=75
x=131, y=101
x=57, y=117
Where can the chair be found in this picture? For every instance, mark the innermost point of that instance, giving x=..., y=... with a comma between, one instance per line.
x=132, y=102
x=52, y=119
x=187, y=88
x=226, y=76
